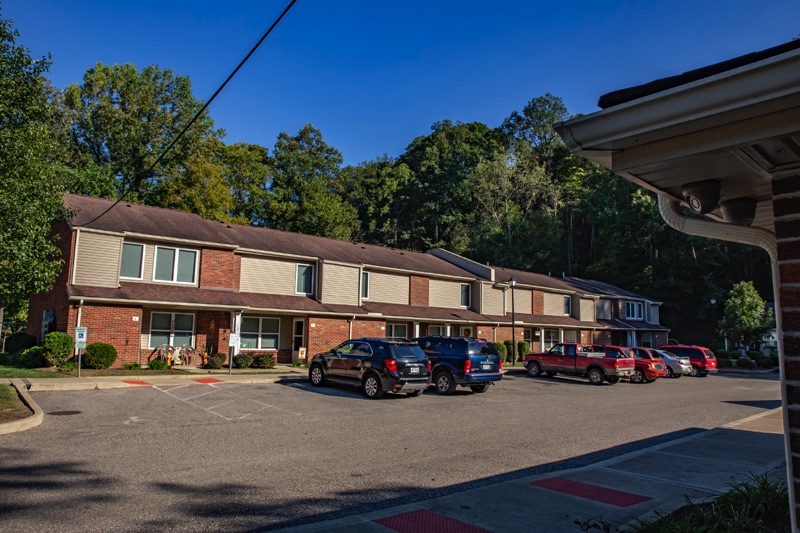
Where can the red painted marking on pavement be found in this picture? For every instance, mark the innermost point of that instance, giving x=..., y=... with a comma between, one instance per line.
x=208, y=380
x=590, y=492
x=424, y=521
x=135, y=382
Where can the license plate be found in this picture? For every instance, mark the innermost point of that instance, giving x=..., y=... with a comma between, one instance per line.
x=486, y=366
x=413, y=369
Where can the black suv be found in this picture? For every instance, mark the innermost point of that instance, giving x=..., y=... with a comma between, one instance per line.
x=463, y=361
x=376, y=365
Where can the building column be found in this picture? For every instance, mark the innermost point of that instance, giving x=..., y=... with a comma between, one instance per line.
x=416, y=329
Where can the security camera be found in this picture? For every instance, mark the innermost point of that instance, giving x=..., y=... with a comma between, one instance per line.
x=702, y=196
x=739, y=211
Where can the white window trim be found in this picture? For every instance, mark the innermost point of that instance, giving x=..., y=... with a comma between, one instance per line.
x=141, y=268
x=442, y=329
x=363, y=285
x=392, y=325
x=260, y=332
x=469, y=294
x=297, y=278
x=171, y=336
x=637, y=308
x=175, y=265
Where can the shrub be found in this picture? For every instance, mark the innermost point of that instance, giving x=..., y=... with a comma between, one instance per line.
x=58, y=347
x=501, y=349
x=746, y=362
x=765, y=362
x=6, y=359
x=722, y=352
x=775, y=359
x=755, y=354
x=523, y=347
x=18, y=341
x=32, y=357
x=68, y=366
x=99, y=355
x=509, y=349
x=243, y=360
x=215, y=360
x=734, y=354
x=131, y=366
x=157, y=364
x=266, y=361
x=724, y=362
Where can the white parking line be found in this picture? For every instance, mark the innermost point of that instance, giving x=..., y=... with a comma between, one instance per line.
x=216, y=389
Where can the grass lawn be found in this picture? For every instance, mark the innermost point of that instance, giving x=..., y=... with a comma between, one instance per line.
x=18, y=372
x=9, y=399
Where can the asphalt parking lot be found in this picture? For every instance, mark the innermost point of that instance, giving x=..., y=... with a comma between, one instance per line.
x=252, y=457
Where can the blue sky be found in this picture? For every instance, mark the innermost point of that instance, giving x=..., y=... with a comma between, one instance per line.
x=373, y=75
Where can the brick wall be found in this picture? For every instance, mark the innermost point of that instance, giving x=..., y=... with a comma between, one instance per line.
x=371, y=328
x=115, y=325
x=660, y=339
x=601, y=337
x=55, y=298
x=419, y=291
x=213, y=329
x=219, y=268
x=538, y=303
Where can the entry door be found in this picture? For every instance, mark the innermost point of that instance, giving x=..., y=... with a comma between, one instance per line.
x=466, y=331
x=299, y=338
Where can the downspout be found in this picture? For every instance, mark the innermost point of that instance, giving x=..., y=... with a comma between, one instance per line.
x=764, y=239
x=350, y=327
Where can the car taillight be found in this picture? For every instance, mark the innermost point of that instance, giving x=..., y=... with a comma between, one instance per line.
x=429, y=365
x=391, y=365
x=500, y=366
x=467, y=366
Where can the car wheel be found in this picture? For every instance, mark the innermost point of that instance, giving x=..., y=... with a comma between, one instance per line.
x=702, y=374
x=534, y=369
x=316, y=375
x=414, y=393
x=670, y=373
x=480, y=388
x=612, y=381
x=695, y=372
x=676, y=376
x=596, y=376
x=445, y=383
x=550, y=373
x=638, y=376
x=372, y=386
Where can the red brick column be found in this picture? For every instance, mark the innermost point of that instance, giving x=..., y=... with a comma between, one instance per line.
x=118, y=325
x=538, y=303
x=419, y=288
x=219, y=268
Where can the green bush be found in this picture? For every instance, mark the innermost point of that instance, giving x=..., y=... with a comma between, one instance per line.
x=509, y=349
x=264, y=361
x=775, y=359
x=523, y=347
x=215, y=360
x=765, y=362
x=131, y=366
x=99, y=355
x=746, y=362
x=243, y=360
x=32, y=357
x=157, y=364
x=501, y=349
x=722, y=352
x=68, y=366
x=734, y=354
x=6, y=359
x=58, y=347
x=724, y=362
x=16, y=342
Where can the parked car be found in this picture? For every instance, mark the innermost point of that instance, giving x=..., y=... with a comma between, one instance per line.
x=376, y=365
x=461, y=362
x=649, y=366
x=702, y=359
x=598, y=363
x=675, y=365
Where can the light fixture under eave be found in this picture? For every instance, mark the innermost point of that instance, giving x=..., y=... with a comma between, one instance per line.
x=702, y=196
x=739, y=211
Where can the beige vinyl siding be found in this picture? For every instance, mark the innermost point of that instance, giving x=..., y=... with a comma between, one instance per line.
x=388, y=288
x=554, y=304
x=97, y=260
x=653, y=318
x=587, y=310
x=445, y=294
x=268, y=276
x=492, y=300
x=523, y=301
x=340, y=284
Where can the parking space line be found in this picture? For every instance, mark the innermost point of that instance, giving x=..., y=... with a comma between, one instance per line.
x=172, y=389
x=200, y=395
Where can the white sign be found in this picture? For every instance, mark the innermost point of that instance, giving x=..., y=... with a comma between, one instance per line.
x=233, y=340
x=80, y=337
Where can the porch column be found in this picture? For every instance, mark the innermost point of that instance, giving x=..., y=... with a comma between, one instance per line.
x=447, y=330
x=416, y=329
x=236, y=328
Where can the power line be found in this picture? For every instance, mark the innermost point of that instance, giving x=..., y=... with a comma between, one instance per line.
x=138, y=179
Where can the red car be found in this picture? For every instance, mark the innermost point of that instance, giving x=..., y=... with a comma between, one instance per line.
x=702, y=359
x=649, y=366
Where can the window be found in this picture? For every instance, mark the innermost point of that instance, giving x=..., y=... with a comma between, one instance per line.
x=550, y=337
x=436, y=330
x=175, y=329
x=175, y=265
x=568, y=305
x=466, y=295
x=396, y=331
x=365, y=285
x=304, y=283
x=48, y=322
x=527, y=335
x=647, y=340
x=132, y=261
x=603, y=309
x=634, y=310
x=354, y=348
x=259, y=333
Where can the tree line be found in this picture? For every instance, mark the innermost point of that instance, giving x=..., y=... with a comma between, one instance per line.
x=510, y=195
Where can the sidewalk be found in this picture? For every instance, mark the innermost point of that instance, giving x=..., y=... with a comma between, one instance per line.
x=620, y=491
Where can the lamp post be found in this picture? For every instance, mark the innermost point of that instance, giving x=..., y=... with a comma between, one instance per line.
x=714, y=321
x=513, y=283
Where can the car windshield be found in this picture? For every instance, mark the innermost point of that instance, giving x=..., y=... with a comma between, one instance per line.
x=408, y=351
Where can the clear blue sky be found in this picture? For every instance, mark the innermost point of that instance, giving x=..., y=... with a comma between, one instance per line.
x=374, y=74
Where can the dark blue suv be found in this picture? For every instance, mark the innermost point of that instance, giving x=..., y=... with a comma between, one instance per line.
x=461, y=361
x=376, y=365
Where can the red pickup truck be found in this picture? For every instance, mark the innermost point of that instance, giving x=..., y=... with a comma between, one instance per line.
x=598, y=363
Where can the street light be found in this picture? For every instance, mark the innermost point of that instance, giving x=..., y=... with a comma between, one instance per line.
x=714, y=321
x=513, y=284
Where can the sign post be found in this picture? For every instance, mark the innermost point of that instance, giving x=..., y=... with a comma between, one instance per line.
x=80, y=344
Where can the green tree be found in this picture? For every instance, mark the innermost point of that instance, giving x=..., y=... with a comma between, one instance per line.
x=302, y=188
x=246, y=171
x=746, y=318
x=30, y=193
x=534, y=126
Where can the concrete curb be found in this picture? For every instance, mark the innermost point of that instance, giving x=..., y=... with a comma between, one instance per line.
x=25, y=423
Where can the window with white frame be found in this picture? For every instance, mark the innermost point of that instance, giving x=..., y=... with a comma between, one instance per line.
x=466, y=295
x=132, y=262
x=527, y=336
x=436, y=330
x=176, y=265
x=549, y=338
x=397, y=331
x=365, y=285
x=175, y=329
x=568, y=305
x=634, y=310
x=304, y=282
x=260, y=333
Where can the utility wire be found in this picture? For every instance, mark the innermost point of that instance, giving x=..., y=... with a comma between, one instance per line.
x=137, y=180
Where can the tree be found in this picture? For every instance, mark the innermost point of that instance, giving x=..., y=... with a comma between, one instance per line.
x=30, y=194
x=746, y=318
x=535, y=127
x=246, y=170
